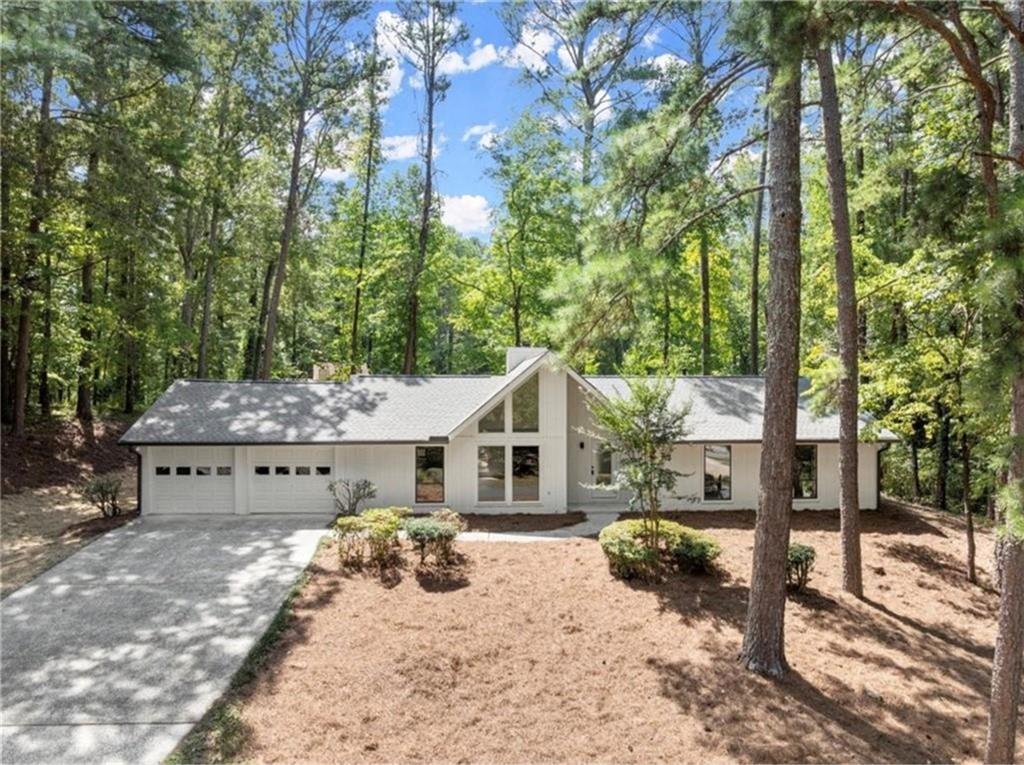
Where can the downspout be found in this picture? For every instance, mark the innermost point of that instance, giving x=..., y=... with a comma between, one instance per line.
x=138, y=479
x=878, y=475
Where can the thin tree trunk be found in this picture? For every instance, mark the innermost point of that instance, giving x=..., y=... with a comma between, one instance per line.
x=291, y=214
x=705, y=305
x=413, y=308
x=6, y=294
x=846, y=299
x=942, y=460
x=45, y=398
x=915, y=470
x=764, y=637
x=261, y=319
x=83, y=405
x=965, y=448
x=364, y=234
x=755, y=265
x=211, y=260
x=35, y=227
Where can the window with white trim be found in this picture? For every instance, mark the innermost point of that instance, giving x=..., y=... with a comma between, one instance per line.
x=717, y=472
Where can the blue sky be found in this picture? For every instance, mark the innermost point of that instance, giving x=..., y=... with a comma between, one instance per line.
x=488, y=93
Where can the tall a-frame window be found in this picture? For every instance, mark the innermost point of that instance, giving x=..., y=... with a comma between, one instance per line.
x=526, y=407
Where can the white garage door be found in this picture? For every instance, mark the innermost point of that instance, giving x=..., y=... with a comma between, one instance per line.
x=192, y=479
x=291, y=479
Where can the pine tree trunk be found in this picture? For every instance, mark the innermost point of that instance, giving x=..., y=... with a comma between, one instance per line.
x=942, y=460
x=705, y=305
x=755, y=265
x=846, y=296
x=83, y=404
x=291, y=214
x=6, y=294
x=261, y=318
x=764, y=637
x=413, y=305
x=45, y=398
x=364, y=235
x=35, y=227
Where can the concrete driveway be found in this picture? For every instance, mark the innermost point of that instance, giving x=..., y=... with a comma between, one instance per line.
x=115, y=653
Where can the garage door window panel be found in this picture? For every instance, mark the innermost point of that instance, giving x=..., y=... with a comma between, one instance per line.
x=182, y=470
x=263, y=470
x=163, y=470
x=302, y=470
x=224, y=470
x=282, y=470
x=323, y=470
x=203, y=470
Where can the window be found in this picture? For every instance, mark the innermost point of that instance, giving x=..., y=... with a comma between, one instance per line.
x=603, y=473
x=805, y=472
x=263, y=470
x=302, y=470
x=525, y=408
x=525, y=473
x=205, y=470
x=323, y=470
x=282, y=470
x=717, y=472
x=493, y=421
x=224, y=470
x=430, y=474
x=490, y=476
x=183, y=471
x=163, y=470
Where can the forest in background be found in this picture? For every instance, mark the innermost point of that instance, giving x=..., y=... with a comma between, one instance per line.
x=171, y=206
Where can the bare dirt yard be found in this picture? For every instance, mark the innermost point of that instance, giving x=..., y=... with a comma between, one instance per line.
x=535, y=653
x=43, y=518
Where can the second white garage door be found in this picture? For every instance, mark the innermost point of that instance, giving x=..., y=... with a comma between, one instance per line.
x=291, y=479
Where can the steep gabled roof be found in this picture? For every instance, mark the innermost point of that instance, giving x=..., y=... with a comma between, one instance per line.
x=732, y=408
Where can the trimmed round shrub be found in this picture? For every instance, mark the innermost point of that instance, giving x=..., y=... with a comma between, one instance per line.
x=799, y=564
x=631, y=554
x=432, y=536
x=695, y=551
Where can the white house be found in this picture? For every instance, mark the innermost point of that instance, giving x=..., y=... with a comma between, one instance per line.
x=490, y=443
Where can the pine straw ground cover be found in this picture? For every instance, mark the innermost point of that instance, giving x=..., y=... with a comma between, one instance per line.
x=534, y=653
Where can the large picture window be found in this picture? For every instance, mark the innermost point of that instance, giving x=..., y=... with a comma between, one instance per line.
x=526, y=407
x=805, y=472
x=430, y=474
x=490, y=477
x=525, y=473
x=494, y=420
x=717, y=472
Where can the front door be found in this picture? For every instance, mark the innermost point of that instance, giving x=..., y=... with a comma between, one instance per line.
x=601, y=471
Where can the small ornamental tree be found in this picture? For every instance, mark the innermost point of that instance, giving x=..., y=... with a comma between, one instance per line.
x=350, y=493
x=641, y=428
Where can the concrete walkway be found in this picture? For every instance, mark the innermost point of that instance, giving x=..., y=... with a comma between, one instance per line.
x=595, y=521
x=115, y=653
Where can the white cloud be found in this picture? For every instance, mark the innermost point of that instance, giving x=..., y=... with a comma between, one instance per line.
x=385, y=24
x=666, y=62
x=482, y=55
x=604, y=110
x=652, y=38
x=397, y=147
x=486, y=134
x=467, y=213
x=336, y=174
x=531, y=52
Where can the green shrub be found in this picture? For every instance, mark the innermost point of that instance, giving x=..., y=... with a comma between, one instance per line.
x=350, y=531
x=447, y=515
x=695, y=551
x=382, y=526
x=629, y=556
x=432, y=536
x=102, y=491
x=632, y=553
x=799, y=564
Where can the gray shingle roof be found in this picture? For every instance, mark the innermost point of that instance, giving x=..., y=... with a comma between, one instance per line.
x=392, y=409
x=732, y=408
x=366, y=409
